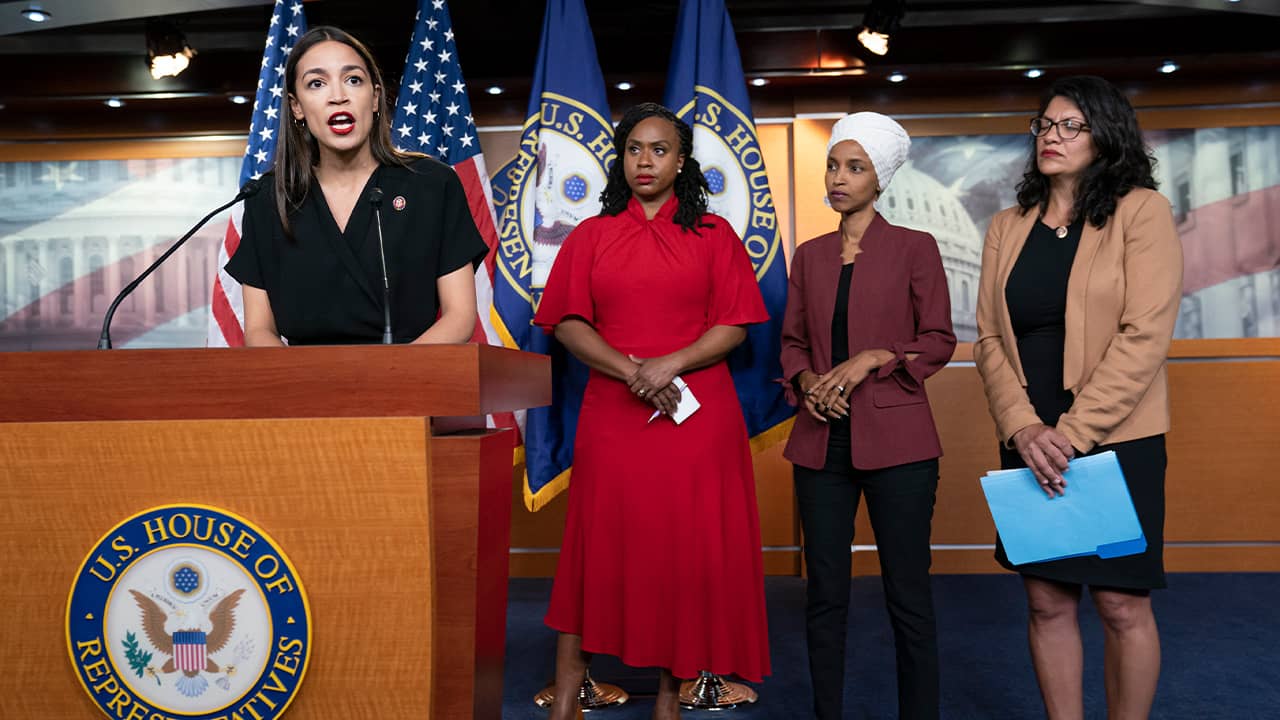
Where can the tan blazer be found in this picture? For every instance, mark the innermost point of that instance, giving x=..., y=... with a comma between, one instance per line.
x=1122, y=303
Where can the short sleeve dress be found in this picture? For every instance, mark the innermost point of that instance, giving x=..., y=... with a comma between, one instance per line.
x=325, y=285
x=661, y=560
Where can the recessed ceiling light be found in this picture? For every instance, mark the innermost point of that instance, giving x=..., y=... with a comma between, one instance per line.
x=624, y=85
x=896, y=77
x=114, y=102
x=1169, y=66
x=239, y=99
x=1032, y=73
x=759, y=82
x=35, y=13
x=494, y=90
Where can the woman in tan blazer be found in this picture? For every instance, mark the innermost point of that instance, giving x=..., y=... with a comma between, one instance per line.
x=1076, y=306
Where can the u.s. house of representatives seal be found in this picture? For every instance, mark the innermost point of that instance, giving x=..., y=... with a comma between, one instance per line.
x=188, y=611
x=551, y=186
x=728, y=148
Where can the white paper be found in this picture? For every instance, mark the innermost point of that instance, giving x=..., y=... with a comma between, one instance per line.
x=687, y=405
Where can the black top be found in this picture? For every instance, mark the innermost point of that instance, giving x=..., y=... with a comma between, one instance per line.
x=839, y=433
x=325, y=286
x=840, y=318
x=1036, y=294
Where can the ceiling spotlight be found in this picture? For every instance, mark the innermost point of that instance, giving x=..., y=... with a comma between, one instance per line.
x=167, y=51
x=880, y=23
x=759, y=82
x=35, y=13
x=1169, y=66
x=1032, y=73
x=896, y=77
x=494, y=90
x=239, y=99
x=114, y=102
x=624, y=85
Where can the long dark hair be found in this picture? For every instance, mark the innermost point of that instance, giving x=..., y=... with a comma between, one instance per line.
x=1123, y=161
x=298, y=152
x=690, y=188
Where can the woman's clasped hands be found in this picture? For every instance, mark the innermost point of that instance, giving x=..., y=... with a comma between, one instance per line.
x=1046, y=452
x=826, y=396
x=652, y=382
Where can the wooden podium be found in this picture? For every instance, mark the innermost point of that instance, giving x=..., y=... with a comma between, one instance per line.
x=399, y=536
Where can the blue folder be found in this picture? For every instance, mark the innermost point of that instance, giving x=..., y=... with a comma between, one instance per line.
x=1095, y=515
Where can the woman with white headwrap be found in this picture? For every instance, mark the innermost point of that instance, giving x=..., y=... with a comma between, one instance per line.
x=868, y=319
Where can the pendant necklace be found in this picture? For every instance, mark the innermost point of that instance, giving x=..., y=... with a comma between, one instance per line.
x=1059, y=230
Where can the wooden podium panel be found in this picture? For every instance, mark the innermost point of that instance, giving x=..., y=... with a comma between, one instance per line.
x=472, y=475
x=327, y=491
x=398, y=536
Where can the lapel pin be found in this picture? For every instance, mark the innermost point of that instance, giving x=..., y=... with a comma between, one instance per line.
x=398, y=203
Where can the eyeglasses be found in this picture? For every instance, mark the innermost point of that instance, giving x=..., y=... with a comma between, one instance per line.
x=1068, y=129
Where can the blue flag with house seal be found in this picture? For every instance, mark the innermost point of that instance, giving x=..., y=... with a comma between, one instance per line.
x=552, y=184
x=706, y=88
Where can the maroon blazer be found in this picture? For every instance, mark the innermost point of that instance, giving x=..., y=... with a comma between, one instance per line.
x=898, y=301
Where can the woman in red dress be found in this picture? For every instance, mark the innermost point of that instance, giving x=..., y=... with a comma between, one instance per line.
x=661, y=561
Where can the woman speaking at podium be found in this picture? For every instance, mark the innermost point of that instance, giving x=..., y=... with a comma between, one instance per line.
x=661, y=562
x=1077, y=301
x=315, y=256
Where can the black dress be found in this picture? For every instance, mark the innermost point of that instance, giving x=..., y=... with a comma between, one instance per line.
x=1036, y=294
x=325, y=285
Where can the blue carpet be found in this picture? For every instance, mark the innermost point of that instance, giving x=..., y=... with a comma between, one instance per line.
x=1220, y=636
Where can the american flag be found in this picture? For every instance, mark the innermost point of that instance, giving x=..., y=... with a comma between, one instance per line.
x=288, y=23
x=433, y=117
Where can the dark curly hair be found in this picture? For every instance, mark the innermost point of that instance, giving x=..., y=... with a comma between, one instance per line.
x=1123, y=161
x=690, y=187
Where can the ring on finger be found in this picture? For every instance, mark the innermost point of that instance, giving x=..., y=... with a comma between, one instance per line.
x=642, y=392
x=840, y=388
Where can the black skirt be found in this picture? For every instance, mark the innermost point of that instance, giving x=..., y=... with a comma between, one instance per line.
x=1143, y=462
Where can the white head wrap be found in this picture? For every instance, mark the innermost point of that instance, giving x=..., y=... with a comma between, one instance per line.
x=884, y=140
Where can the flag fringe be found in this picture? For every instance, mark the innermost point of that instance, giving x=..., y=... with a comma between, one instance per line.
x=535, y=501
x=774, y=435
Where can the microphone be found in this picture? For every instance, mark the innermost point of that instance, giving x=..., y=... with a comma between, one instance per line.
x=248, y=190
x=375, y=199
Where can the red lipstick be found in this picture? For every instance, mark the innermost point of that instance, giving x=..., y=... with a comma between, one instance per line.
x=342, y=122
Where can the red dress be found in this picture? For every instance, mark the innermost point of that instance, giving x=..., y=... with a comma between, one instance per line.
x=661, y=562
